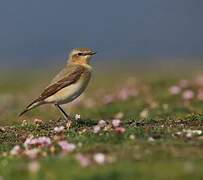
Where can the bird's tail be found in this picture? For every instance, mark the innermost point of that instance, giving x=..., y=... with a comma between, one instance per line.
x=30, y=106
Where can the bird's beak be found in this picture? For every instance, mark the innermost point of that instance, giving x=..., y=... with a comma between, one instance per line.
x=92, y=53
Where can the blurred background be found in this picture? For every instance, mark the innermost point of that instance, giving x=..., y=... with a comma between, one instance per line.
x=37, y=34
x=148, y=78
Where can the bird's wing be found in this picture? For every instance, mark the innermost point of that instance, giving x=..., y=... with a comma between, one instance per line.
x=73, y=75
x=62, y=73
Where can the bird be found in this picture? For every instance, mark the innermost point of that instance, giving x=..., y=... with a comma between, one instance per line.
x=69, y=83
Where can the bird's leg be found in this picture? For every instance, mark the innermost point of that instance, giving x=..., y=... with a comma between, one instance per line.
x=63, y=112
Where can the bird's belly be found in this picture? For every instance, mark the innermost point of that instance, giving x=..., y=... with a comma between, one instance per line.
x=69, y=93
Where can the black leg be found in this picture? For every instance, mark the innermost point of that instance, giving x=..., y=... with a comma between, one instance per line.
x=62, y=111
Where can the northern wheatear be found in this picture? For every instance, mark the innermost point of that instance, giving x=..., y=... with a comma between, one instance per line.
x=69, y=83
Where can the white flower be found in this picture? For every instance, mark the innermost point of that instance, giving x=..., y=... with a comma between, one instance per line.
x=151, y=139
x=15, y=151
x=37, y=121
x=99, y=158
x=119, y=115
x=132, y=137
x=34, y=167
x=102, y=123
x=96, y=129
x=59, y=129
x=144, y=113
x=77, y=116
x=190, y=133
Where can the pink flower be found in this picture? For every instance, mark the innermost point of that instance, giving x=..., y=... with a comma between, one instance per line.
x=32, y=153
x=35, y=142
x=59, y=129
x=188, y=95
x=116, y=123
x=199, y=81
x=108, y=99
x=99, y=158
x=119, y=130
x=184, y=83
x=124, y=93
x=66, y=147
x=200, y=95
x=174, y=90
x=83, y=160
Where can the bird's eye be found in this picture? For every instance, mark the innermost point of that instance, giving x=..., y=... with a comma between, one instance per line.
x=79, y=54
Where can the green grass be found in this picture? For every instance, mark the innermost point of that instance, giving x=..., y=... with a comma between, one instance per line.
x=155, y=152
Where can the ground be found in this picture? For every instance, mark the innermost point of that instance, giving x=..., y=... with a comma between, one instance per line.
x=152, y=129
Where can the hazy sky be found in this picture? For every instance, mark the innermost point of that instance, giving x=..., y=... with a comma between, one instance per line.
x=47, y=29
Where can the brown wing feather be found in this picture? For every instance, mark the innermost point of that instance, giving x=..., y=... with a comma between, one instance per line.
x=71, y=78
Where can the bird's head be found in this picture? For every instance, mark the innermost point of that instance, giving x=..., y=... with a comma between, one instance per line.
x=80, y=56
